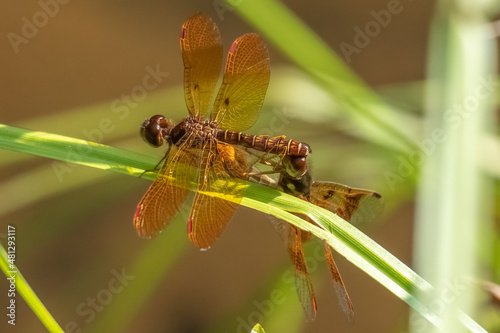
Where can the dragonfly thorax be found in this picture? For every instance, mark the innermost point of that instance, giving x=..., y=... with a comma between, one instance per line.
x=203, y=129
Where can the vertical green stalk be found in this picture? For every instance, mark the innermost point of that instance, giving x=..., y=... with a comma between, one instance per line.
x=370, y=113
x=24, y=289
x=459, y=97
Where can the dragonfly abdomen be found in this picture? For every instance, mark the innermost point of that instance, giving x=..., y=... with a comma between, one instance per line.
x=279, y=145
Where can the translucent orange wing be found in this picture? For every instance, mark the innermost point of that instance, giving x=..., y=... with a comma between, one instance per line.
x=246, y=78
x=340, y=290
x=167, y=194
x=303, y=282
x=355, y=205
x=202, y=55
x=210, y=215
x=293, y=238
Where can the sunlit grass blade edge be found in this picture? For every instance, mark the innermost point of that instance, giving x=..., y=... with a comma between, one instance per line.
x=73, y=150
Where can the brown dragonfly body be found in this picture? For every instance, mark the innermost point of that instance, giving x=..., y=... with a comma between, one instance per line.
x=354, y=205
x=203, y=148
x=157, y=129
x=276, y=145
x=210, y=150
x=295, y=152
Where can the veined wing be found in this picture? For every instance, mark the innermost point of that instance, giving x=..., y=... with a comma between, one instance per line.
x=243, y=89
x=202, y=55
x=221, y=163
x=293, y=238
x=340, y=290
x=167, y=194
x=355, y=205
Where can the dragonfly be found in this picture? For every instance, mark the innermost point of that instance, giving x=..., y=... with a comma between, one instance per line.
x=208, y=148
x=357, y=206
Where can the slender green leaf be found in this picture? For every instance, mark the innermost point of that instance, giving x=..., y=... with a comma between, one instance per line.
x=23, y=288
x=375, y=119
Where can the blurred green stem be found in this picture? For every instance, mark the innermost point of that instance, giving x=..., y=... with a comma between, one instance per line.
x=460, y=96
x=24, y=289
x=376, y=120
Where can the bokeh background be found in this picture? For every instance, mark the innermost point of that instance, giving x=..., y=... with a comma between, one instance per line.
x=74, y=225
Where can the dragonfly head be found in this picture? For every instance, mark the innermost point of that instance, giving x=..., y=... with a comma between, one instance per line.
x=296, y=186
x=295, y=166
x=155, y=130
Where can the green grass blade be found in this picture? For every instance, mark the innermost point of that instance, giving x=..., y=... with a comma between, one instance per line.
x=343, y=237
x=24, y=289
x=258, y=329
x=86, y=121
x=72, y=150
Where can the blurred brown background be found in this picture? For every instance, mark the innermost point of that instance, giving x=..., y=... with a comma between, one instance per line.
x=92, y=52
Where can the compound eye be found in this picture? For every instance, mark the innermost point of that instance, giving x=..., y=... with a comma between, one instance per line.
x=296, y=166
x=152, y=130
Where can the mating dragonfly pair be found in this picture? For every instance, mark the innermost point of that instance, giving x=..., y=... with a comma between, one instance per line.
x=209, y=150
